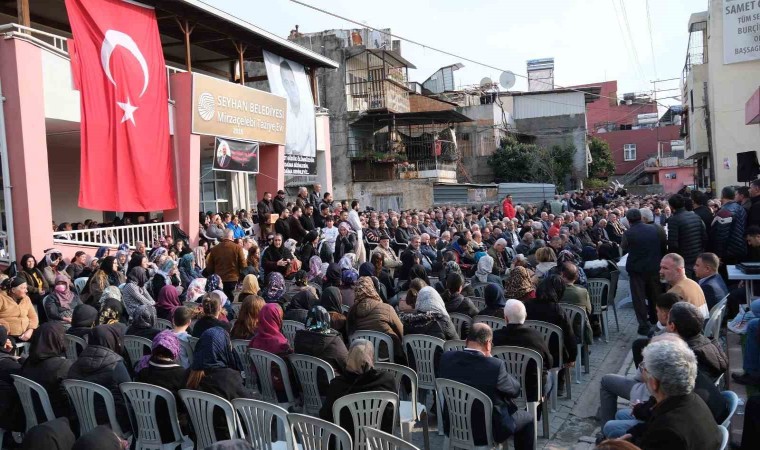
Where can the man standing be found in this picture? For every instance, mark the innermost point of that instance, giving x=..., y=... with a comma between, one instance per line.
x=302, y=199
x=687, y=235
x=307, y=218
x=743, y=198
x=356, y=225
x=727, y=230
x=699, y=199
x=316, y=196
x=754, y=210
x=475, y=367
x=507, y=208
x=556, y=205
x=282, y=226
x=297, y=230
x=645, y=246
x=672, y=271
x=279, y=203
x=265, y=209
x=226, y=259
x=713, y=286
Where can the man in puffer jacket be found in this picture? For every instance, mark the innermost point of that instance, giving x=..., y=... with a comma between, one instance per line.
x=686, y=233
x=727, y=230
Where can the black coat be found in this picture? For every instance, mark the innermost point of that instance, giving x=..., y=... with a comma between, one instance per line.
x=351, y=383
x=754, y=212
x=328, y=347
x=49, y=373
x=206, y=322
x=687, y=235
x=278, y=204
x=228, y=384
x=552, y=313
x=681, y=422
x=711, y=359
x=457, y=303
x=344, y=244
x=173, y=378
x=645, y=246
x=706, y=214
x=519, y=335
x=12, y=418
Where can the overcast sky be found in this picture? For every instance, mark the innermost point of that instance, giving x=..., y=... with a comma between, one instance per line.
x=588, y=39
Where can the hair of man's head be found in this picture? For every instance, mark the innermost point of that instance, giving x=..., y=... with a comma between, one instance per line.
x=727, y=193
x=687, y=319
x=514, y=311
x=667, y=300
x=182, y=316
x=677, y=260
x=633, y=215
x=229, y=234
x=711, y=260
x=480, y=333
x=569, y=271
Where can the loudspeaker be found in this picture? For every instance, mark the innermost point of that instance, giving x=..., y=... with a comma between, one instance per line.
x=747, y=166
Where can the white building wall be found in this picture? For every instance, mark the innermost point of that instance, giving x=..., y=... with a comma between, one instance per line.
x=549, y=104
x=694, y=101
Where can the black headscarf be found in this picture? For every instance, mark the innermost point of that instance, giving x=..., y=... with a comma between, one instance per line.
x=26, y=258
x=100, y=437
x=84, y=316
x=303, y=299
x=145, y=317
x=138, y=276
x=106, y=264
x=332, y=300
x=110, y=311
x=47, y=342
x=418, y=271
x=135, y=261
x=332, y=275
x=366, y=270
x=51, y=435
x=108, y=336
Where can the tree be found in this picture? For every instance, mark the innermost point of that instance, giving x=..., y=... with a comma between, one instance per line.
x=517, y=162
x=602, y=164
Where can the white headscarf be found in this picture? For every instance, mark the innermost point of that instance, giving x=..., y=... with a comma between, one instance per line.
x=485, y=266
x=348, y=261
x=429, y=300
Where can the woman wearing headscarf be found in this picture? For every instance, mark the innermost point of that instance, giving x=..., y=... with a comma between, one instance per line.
x=250, y=288
x=200, y=257
x=17, y=314
x=452, y=267
x=383, y=275
x=274, y=255
x=346, y=241
x=332, y=276
x=51, y=435
x=187, y=270
x=60, y=304
x=332, y=301
x=212, y=310
x=82, y=320
x=196, y=290
x=228, y=313
x=308, y=249
x=12, y=418
x=111, y=312
x=167, y=302
x=347, y=261
x=275, y=288
x=37, y=286
x=107, y=275
x=370, y=313
x=315, y=274
x=519, y=284
x=52, y=265
x=47, y=364
x=110, y=292
x=483, y=272
x=247, y=323
x=122, y=259
x=457, y=303
x=134, y=293
x=568, y=256
x=360, y=375
x=144, y=323
x=494, y=296
x=301, y=300
x=101, y=363
x=216, y=370
x=348, y=278
x=417, y=271
x=167, y=274
x=430, y=316
x=320, y=340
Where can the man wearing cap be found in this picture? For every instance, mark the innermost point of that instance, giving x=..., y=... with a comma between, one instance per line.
x=279, y=203
x=391, y=261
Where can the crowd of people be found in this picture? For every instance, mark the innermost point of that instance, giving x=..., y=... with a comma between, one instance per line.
x=338, y=269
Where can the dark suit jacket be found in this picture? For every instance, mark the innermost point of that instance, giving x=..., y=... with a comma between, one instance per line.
x=714, y=288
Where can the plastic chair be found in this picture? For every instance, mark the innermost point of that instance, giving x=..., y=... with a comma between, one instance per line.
x=719, y=304
x=596, y=287
x=409, y=411
x=479, y=289
x=547, y=330
x=454, y=345
x=289, y=328
x=256, y=419
x=459, y=320
x=724, y=437
x=240, y=346
x=479, y=302
x=421, y=348
x=82, y=397
x=137, y=347
x=376, y=338
x=313, y=433
x=22, y=348
x=141, y=404
x=733, y=403
x=262, y=362
x=188, y=348
x=380, y=440
x=24, y=387
x=345, y=309
x=307, y=370
x=614, y=278
x=712, y=328
x=193, y=340
x=79, y=284
x=200, y=407
x=574, y=312
x=517, y=359
x=163, y=324
x=494, y=322
x=460, y=399
x=366, y=409
x=72, y=342
x=236, y=308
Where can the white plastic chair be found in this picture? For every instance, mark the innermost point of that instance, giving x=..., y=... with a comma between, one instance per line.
x=376, y=338
x=200, y=407
x=22, y=348
x=712, y=328
x=240, y=346
x=494, y=322
x=313, y=433
x=380, y=440
x=459, y=320
x=573, y=313
x=596, y=288
x=454, y=345
x=614, y=278
x=546, y=330
x=479, y=302
x=82, y=396
x=422, y=349
x=409, y=411
x=72, y=342
x=24, y=387
x=366, y=409
x=460, y=399
x=289, y=328
x=262, y=363
x=163, y=324
x=307, y=370
x=479, y=289
x=137, y=347
x=256, y=418
x=141, y=404
x=724, y=437
x=517, y=359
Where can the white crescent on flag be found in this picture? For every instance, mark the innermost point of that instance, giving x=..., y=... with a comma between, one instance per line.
x=112, y=40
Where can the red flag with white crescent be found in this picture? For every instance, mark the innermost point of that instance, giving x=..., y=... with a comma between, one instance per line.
x=126, y=149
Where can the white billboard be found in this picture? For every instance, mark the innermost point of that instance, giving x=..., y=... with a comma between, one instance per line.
x=741, y=31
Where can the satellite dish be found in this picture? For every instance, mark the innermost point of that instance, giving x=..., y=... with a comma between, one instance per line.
x=507, y=79
x=486, y=83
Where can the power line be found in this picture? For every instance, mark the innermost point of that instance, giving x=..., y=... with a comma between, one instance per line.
x=445, y=52
x=651, y=37
x=633, y=42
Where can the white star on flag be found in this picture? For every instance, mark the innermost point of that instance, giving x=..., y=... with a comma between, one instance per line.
x=129, y=111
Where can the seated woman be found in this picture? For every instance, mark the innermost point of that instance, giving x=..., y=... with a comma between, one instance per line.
x=37, y=286
x=348, y=279
x=456, y=303
x=144, y=323
x=430, y=316
x=274, y=292
x=162, y=368
x=370, y=313
x=212, y=309
x=301, y=300
x=60, y=304
x=360, y=376
x=187, y=270
x=82, y=321
x=409, y=301
x=316, y=273
x=321, y=341
x=167, y=274
x=269, y=338
x=483, y=272
x=519, y=284
x=495, y=301
x=417, y=271
x=107, y=275
x=383, y=274
x=17, y=314
x=134, y=292
x=451, y=266
x=216, y=370
x=48, y=366
x=247, y=322
x=101, y=363
x=547, y=260
x=250, y=288
x=167, y=302
x=332, y=301
x=346, y=241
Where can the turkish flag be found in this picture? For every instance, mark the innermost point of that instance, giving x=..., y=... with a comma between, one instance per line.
x=119, y=67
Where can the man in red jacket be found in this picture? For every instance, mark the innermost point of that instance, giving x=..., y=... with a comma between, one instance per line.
x=507, y=208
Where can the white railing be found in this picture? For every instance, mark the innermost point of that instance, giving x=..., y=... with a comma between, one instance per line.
x=52, y=42
x=114, y=236
x=5, y=256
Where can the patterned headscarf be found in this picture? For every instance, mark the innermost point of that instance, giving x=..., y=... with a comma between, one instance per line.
x=348, y=261
x=222, y=297
x=110, y=312
x=213, y=283
x=485, y=266
x=315, y=268
x=275, y=287
x=110, y=292
x=157, y=253
x=214, y=351
x=429, y=300
x=519, y=284
x=145, y=317
x=318, y=320
x=166, y=340
x=451, y=267
x=364, y=290
x=568, y=256
x=200, y=257
x=349, y=277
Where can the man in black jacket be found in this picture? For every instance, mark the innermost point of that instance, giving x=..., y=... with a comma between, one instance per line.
x=265, y=209
x=687, y=234
x=754, y=210
x=645, y=244
x=686, y=320
x=279, y=203
x=282, y=226
x=316, y=195
x=701, y=209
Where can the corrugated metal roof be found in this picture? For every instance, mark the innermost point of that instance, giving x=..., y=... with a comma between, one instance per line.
x=457, y=194
x=549, y=104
